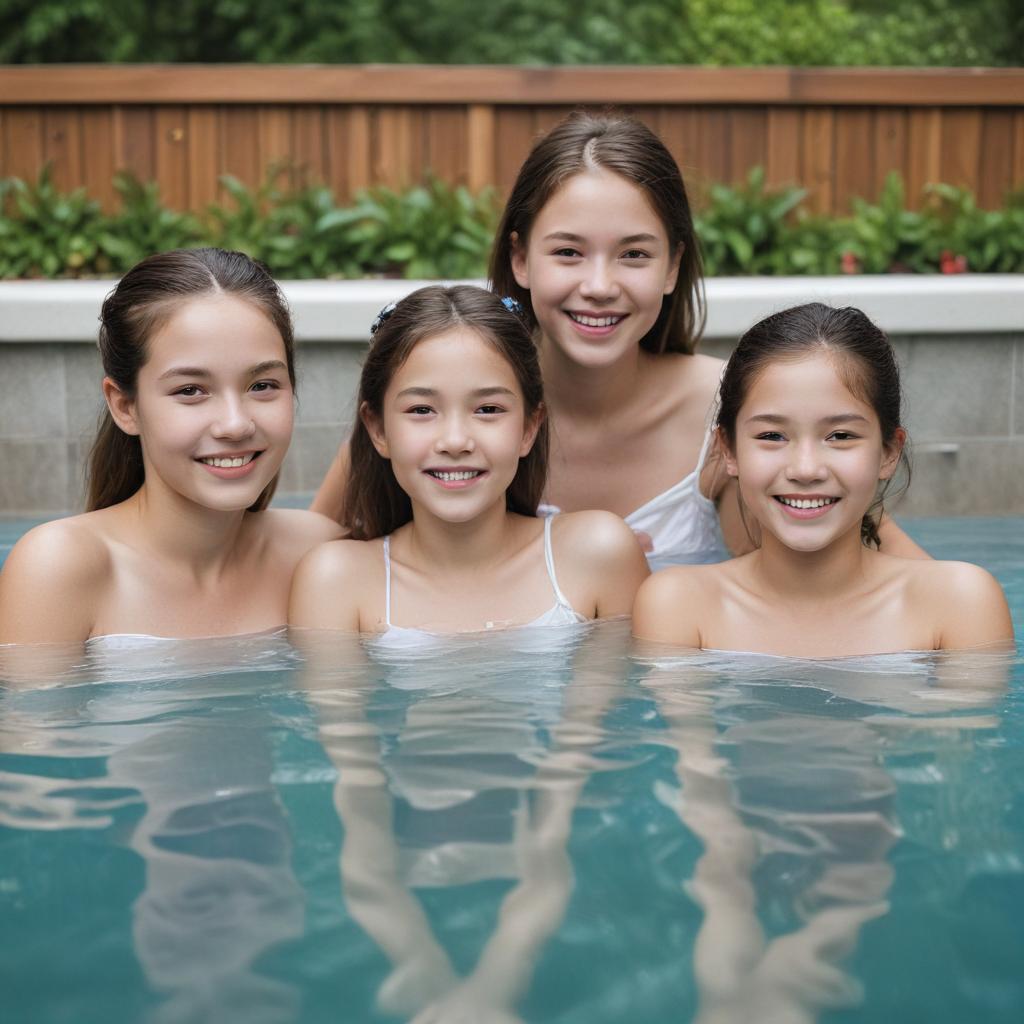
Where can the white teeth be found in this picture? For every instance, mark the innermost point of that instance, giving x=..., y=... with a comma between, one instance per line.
x=232, y=463
x=807, y=502
x=595, y=321
x=466, y=474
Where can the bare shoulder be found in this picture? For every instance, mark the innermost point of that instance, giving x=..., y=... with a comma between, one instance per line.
x=690, y=377
x=51, y=580
x=298, y=529
x=600, y=561
x=669, y=605
x=326, y=586
x=966, y=602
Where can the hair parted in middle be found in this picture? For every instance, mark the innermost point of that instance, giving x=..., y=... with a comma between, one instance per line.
x=375, y=504
x=863, y=358
x=625, y=146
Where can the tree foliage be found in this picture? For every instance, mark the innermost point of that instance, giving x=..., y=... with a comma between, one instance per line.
x=718, y=32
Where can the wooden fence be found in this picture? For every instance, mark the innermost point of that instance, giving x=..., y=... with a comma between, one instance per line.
x=838, y=132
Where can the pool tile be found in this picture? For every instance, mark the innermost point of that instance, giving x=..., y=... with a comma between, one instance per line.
x=34, y=478
x=34, y=392
x=328, y=382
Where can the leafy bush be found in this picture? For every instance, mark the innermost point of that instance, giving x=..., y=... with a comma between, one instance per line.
x=437, y=230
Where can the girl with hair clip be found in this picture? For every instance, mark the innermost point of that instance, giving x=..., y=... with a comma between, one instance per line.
x=810, y=426
x=448, y=461
x=597, y=243
x=199, y=383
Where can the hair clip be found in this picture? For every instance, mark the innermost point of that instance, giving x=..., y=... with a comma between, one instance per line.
x=512, y=305
x=382, y=316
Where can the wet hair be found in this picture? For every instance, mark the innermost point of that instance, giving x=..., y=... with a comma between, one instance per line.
x=143, y=302
x=863, y=358
x=627, y=147
x=375, y=504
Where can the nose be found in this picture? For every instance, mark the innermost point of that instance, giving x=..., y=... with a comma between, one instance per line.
x=806, y=464
x=599, y=283
x=455, y=437
x=234, y=422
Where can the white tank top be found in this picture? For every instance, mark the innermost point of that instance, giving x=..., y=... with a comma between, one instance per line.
x=395, y=637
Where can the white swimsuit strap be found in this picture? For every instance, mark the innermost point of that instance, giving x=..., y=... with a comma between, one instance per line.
x=387, y=580
x=550, y=562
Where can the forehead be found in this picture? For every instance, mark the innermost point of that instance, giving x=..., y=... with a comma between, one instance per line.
x=599, y=202
x=215, y=330
x=814, y=384
x=455, y=359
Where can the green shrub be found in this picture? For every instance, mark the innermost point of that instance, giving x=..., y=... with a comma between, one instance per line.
x=436, y=230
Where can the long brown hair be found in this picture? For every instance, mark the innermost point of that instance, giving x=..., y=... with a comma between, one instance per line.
x=143, y=302
x=626, y=146
x=863, y=355
x=375, y=504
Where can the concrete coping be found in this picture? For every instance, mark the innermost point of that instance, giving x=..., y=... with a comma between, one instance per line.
x=343, y=310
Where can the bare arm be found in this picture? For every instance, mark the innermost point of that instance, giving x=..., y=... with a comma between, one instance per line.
x=325, y=588
x=973, y=608
x=666, y=608
x=330, y=498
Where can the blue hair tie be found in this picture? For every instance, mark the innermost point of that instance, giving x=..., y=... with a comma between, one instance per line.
x=512, y=305
x=382, y=316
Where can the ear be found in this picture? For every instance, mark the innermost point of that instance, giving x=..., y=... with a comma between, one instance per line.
x=375, y=428
x=530, y=432
x=520, y=267
x=891, y=454
x=673, y=272
x=728, y=457
x=122, y=408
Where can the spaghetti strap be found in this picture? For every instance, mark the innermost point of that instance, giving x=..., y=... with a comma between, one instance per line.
x=550, y=562
x=387, y=580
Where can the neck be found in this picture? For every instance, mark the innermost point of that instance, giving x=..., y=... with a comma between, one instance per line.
x=812, y=577
x=585, y=392
x=199, y=539
x=467, y=548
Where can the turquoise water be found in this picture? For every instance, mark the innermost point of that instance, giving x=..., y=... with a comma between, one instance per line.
x=225, y=831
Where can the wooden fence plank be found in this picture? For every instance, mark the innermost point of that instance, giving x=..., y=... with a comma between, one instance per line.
x=204, y=155
x=62, y=145
x=1017, y=179
x=960, y=147
x=480, y=139
x=819, y=159
x=23, y=154
x=854, y=154
x=890, y=139
x=748, y=133
x=680, y=131
x=133, y=141
x=448, y=151
x=172, y=157
x=275, y=145
x=924, y=147
x=995, y=170
x=784, y=146
x=240, y=148
x=98, y=169
x=514, y=127
x=308, y=144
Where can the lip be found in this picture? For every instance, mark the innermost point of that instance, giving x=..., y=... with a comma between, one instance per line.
x=455, y=485
x=230, y=472
x=595, y=332
x=806, y=513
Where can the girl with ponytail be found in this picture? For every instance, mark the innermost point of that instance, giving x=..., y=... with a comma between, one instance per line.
x=199, y=382
x=809, y=423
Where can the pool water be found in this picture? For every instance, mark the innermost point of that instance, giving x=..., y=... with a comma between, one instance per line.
x=234, y=831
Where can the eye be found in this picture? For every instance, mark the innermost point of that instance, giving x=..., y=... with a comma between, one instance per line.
x=636, y=254
x=419, y=410
x=189, y=391
x=489, y=410
x=266, y=385
x=567, y=252
x=769, y=435
x=842, y=435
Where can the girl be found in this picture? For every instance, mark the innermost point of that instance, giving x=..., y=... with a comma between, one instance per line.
x=597, y=243
x=198, y=355
x=448, y=459
x=810, y=425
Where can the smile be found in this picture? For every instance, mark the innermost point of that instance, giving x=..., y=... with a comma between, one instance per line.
x=596, y=321
x=805, y=502
x=229, y=462
x=454, y=476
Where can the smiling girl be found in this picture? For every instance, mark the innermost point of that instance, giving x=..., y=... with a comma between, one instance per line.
x=448, y=461
x=810, y=425
x=197, y=352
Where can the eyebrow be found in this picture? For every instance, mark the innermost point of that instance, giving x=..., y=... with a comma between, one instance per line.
x=199, y=371
x=568, y=236
x=842, y=417
x=478, y=393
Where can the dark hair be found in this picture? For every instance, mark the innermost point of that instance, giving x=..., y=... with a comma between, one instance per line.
x=626, y=146
x=863, y=356
x=144, y=300
x=375, y=504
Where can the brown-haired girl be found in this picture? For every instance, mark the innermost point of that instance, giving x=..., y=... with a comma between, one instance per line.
x=810, y=425
x=597, y=242
x=197, y=353
x=448, y=462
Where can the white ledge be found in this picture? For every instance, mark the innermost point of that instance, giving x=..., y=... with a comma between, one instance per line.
x=343, y=310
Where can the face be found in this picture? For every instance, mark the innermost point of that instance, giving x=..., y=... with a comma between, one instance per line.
x=213, y=405
x=597, y=263
x=454, y=426
x=809, y=453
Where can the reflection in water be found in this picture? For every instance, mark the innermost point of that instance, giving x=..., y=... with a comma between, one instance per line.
x=193, y=756
x=565, y=833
